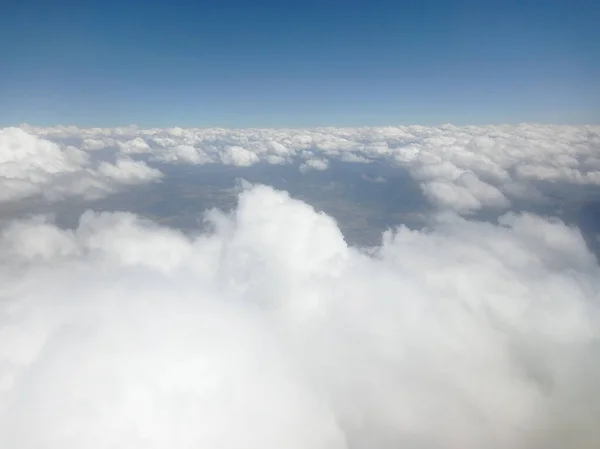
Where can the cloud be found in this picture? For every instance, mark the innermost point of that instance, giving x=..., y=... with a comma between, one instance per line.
x=270, y=332
x=239, y=156
x=134, y=146
x=128, y=172
x=314, y=164
x=461, y=168
x=464, y=194
x=31, y=166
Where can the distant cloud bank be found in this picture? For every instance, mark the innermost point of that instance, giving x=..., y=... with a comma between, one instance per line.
x=463, y=169
x=32, y=165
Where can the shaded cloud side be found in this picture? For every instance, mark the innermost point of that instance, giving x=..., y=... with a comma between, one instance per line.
x=463, y=169
x=271, y=332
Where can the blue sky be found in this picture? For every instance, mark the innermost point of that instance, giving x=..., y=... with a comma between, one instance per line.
x=298, y=63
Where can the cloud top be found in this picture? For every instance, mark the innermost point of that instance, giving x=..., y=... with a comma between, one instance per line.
x=270, y=332
x=31, y=165
x=464, y=169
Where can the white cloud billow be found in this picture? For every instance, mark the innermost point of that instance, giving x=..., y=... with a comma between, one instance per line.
x=459, y=168
x=128, y=172
x=31, y=165
x=271, y=332
x=314, y=164
x=234, y=155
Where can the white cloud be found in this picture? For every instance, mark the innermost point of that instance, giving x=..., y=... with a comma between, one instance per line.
x=464, y=194
x=314, y=164
x=28, y=164
x=135, y=146
x=31, y=165
x=239, y=156
x=129, y=172
x=271, y=332
x=506, y=160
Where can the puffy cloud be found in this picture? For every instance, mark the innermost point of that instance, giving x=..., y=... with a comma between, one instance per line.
x=238, y=156
x=28, y=164
x=270, y=331
x=314, y=164
x=464, y=194
x=31, y=165
x=127, y=171
x=500, y=163
x=134, y=146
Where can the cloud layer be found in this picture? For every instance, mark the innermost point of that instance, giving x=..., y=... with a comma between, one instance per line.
x=271, y=332
x=464, y=169
x=31, y=166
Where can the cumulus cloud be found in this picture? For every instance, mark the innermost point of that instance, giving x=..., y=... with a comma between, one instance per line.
x=314, y=164
x=239, y=156
x=127, y=171
x=463, y=194
x=461, y=168
x=31, y=165
x=271, y=332
x=133, y=146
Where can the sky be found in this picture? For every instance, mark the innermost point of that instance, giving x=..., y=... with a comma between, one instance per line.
x=236, y=63
x=192, y=282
